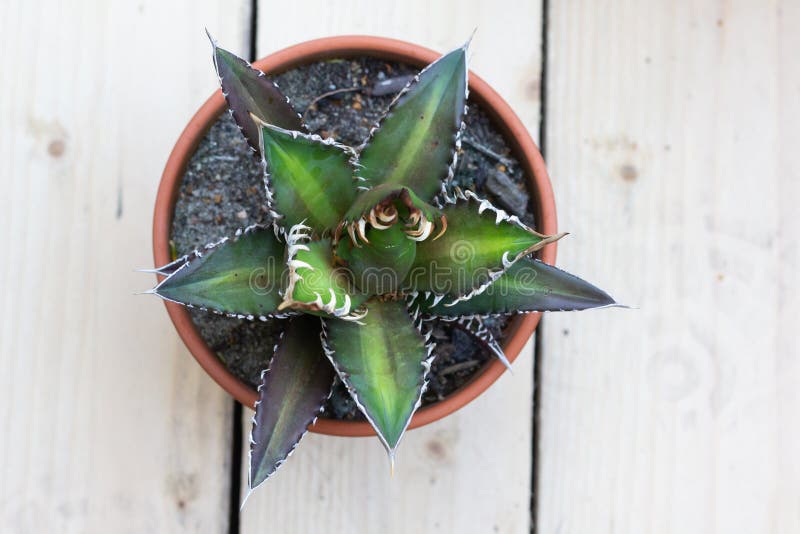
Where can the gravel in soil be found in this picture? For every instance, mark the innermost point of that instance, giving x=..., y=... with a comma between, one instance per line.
x=222, y=191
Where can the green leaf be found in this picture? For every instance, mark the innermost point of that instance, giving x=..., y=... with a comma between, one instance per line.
x=379, y=265
x=528, y=285
x=388, y=204
x=399, y=196
x=239, y=276
x=248, y=91
x=316, y=285
x=292, y=394
x=396, y=210
x=416, y=142
x=480, y=242
x=383, y=362
x=309, y=179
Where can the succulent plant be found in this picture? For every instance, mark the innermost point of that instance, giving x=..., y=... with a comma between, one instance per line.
x=366, y=248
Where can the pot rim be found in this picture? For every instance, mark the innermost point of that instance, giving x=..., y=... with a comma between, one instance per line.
x=504, y=119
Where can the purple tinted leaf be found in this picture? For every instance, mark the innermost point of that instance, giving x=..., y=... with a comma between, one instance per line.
x=291, y=396
x=248, y=90
x=474, y=325
x=529, y=285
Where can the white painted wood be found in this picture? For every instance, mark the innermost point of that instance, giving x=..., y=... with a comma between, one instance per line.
x=672, y=139
x=471, y=472
x=106, y=423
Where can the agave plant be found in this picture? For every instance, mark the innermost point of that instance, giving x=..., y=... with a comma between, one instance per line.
x=367, y=247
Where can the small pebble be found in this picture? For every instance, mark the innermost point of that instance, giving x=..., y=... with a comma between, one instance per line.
x=242, y=215
x=391, y=85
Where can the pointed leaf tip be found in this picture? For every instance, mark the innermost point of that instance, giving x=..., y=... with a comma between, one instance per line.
x=246, y=496
x=213, y=41
x=468, y=42
x=528, y=285
x=383, y=363
x=415, y=144
x=292, y=394
x=248, y=91
x=476, y=326
x=239, y=276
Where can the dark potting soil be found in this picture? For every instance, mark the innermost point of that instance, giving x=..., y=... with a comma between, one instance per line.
x=222, y=191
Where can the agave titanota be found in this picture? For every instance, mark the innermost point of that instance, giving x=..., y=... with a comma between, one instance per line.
x=366, y=246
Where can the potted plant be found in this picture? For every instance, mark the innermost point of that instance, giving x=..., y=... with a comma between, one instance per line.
x=365, y=249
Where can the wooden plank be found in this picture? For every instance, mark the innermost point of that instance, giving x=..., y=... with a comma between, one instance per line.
x=107, y=422
x=672, y=131
x=471, y=472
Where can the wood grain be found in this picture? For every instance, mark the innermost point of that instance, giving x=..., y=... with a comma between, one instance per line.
x=672, y=131
x=107, y=422
x=471, y=472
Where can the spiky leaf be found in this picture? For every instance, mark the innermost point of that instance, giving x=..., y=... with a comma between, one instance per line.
x=381, y=263
x=383, y=363
x=529, y=285
x=316, y=285
x=416, y=141
x=480, y=242
x=401, y=196
x=474, y=325
x=248, y=91
x=291, y=396
x=308, y=178
x=239, y=276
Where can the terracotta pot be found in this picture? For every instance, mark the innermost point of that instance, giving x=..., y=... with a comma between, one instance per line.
x=525, y=150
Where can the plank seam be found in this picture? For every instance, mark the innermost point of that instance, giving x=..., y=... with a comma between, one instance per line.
x=236, y=468
x=538, y=355
x=237, y=426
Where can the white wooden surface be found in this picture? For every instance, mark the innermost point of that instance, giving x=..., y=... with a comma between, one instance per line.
x=672, y=136
x=471, y=472
x=106, y=423
x=672, y=129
